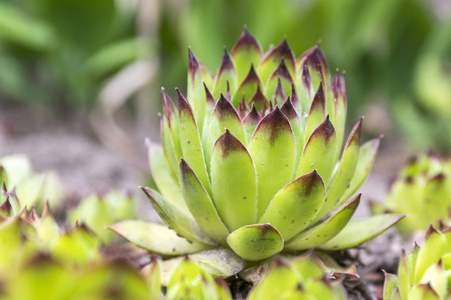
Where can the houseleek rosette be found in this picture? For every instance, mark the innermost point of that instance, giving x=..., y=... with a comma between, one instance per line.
x=250, y=160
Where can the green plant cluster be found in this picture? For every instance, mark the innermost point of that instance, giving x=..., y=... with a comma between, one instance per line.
x=425, y=272
x=422, y=191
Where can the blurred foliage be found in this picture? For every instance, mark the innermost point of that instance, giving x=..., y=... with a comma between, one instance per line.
x=63, y=51
x=59, y=51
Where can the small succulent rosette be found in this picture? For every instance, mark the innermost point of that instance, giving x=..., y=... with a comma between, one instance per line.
x=251, y=160
x=425, y=272
x=422, y=191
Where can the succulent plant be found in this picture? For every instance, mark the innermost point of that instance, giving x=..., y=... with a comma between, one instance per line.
x=96, y=212
x=305, y=277
x=250, y=159
x=425, y=272
x=422, y=191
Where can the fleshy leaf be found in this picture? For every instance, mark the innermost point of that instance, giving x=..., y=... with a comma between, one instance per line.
x=209, y=106
x=319, y=152
x=367, y=156
x=190, y=141
x=159, y=168
x=390, y=285
x=325, y=230
x=176, y=219
x=317, y=112
x=423, y=292
x=272, y=149
x=358, y=232
x=156, y=238
x=296, y=205
x=224, y=117
x=256, y=242
x=279, y=84
x=274, y=57
x=429, y=254
x=259, y=100
x=233, y=182
x=343, y=175
x=170, y=134
x=297, y=126
x=246, y=52
x=250, y=122
x=247, y=88
x=226, y=78
x=195, y=90
x=201, y=205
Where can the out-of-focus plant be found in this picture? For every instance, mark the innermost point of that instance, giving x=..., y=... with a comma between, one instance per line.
x=422, y=191
x=305, y=277
x=96, y=212
x=60, y=51
x=425, y=272
x=256, y=171
x=26, y=186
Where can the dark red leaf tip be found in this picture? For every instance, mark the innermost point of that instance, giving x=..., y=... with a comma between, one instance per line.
x=306, y=79
x=226, y=63
x=325, y=129
x=193, y=64
x=247, y=41
x=319, y=101
x=224, y=108
x=228, y=143
x=282, y=71
x=275, y=123
x=208, y=96
x=251, y=76
x=279, y=90
x=294, y=97
x=281, y=50
x=258, y=98
x=253, y=116
x=288, y=110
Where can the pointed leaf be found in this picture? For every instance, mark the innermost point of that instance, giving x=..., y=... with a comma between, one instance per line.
x=423, y=292
x=233, y=182
x=226, y=77
x=307, y=91
x=279, y=84
x=274, y=57
x=319, y=152
x=325, y=230
x=224, y=117
x=250, y=122
x=259, y=100
x=159, y=168
x=247, y=88
x=358, y=232
x=155, y=238
x=190, y=140
x=209, y=106
x=201, y=205
x=272, y=149
x=297, y=126
x=195, y=90
x=367, y=156
x=296, y=205
x=176, y=219
x=342, y=177
x=255, y=242
x=390, y=285
x=429, y=254
x=317, y=112
x=338, y=106
x=245, y=52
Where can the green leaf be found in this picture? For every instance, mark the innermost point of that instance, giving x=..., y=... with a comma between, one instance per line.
x=359, y=231
x=195, y=94
x=272, y=149
x=279, y=84
x=247, y=88
x=246, y=52
x=250, y=123
x=201, y=205
x=156, y=238
x=176, y=219
x=255, y=242
x=325, y=230
x=423, y=292
x=224, y=117
x=190, y=140
x=429, y=254
x=18, y=167
x=29, y=191
x=367, y=156
x=342, y=177
x=279, y=281
x=164, y=180
x=390, y=285
x=317, y=112
x=274, y=57
x=233, y=182
x=296, y=205
x=226, y=77
x=319, y=152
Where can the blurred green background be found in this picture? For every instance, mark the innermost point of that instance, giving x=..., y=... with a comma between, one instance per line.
x=85, y=55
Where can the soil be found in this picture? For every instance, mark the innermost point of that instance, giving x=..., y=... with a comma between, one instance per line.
x=65, y=142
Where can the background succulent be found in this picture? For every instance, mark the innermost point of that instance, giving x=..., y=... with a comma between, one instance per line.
x=257, y=170
x=425, y=272
x=422, y=191
x=304, y=277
